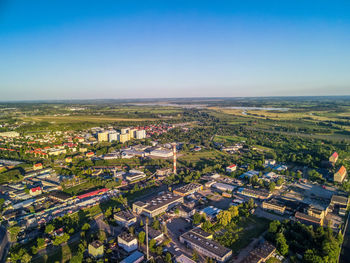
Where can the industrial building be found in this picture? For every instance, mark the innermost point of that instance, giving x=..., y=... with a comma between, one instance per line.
x=308, y=220
x=161, y=153
x=254, y=193
x=188, y=189
x=223, y=187
x=157, y=205
x=274, y=205
x=125, y=218
x=134, y=175
x=206, y=247
x=260, y=254
x=135, y=257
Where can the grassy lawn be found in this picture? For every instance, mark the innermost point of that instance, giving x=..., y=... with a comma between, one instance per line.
x=81, y=188
x=61, y=254
x=251, y=228
x=263, y=148
x=246, y=230
x=197, y=156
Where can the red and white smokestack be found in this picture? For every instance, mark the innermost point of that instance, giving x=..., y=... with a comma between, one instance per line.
x=174, y=157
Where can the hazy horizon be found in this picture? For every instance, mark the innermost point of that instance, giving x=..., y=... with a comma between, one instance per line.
x=59, y=50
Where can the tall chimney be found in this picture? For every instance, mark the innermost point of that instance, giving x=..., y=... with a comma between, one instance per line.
x=174, y=157
x=147, y=238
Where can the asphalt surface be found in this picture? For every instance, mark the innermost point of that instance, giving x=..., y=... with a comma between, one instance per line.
x=4, y=244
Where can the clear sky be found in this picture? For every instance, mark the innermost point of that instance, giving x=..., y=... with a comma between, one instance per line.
x=170, y=48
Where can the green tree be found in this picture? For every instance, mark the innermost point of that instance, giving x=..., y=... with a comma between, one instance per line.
x=21, y=256
x=156, y=224
x=224, y=218
x=85, y=227
x=281, y=244
x=168, y=257
x=197, y=218
x=311, y=257
x=274, y=226
x=61, y=239
x=152, y=244
x=40, y=242
x=14, y=231
x=141, y=237
x=49, y=228
x=234, y=211
x=195, y=256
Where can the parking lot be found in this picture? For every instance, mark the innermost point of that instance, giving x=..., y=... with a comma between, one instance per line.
x=178, y=226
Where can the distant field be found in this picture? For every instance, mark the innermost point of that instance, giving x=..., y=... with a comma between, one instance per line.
x=286, y=115
x=82, y=118
x=198, y=156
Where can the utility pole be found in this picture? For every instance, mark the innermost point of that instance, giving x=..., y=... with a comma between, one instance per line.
x=174, y=157
x=147, y=238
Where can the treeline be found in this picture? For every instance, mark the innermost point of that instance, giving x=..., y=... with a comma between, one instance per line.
x=312, y=244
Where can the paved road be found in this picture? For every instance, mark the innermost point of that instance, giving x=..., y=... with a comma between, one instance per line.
x=4, y=244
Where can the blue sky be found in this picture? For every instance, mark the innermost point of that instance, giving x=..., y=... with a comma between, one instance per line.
x=142, y=49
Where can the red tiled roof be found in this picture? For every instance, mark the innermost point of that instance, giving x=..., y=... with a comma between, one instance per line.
x=342, y=170
x=38, y=188
x=335, y=154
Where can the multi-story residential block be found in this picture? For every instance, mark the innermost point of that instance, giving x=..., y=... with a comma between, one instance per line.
x=127, y=241
x=140, y=134
x=96, y=249
x=113, y=136
x=124, y=137
x=102, y=136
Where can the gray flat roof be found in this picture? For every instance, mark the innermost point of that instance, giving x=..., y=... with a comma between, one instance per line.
x=159, y=201
x=187, y=188
x=125, y=215
x=126, y=236
x=210, y=245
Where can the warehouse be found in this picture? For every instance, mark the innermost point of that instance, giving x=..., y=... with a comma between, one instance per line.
x=157, y=205
x=188, y=189
x=206, y=247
